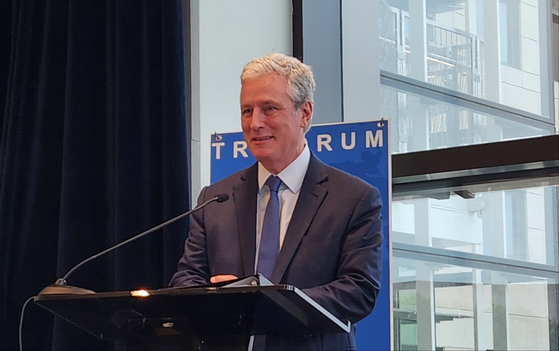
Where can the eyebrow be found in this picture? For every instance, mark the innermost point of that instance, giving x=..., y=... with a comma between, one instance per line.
x=264, y=102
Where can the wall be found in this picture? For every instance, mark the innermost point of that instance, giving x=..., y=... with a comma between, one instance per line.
x=555, y=37
x=521, y=87
x=225, y=35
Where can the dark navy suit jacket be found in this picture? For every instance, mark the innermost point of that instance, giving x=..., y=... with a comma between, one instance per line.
x=332, y=247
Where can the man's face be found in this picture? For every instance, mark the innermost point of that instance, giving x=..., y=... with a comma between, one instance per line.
x=272, y=127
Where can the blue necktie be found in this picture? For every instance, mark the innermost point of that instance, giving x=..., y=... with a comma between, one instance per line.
x=269, y=240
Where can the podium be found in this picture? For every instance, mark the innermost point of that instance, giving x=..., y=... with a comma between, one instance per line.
x=195, y=318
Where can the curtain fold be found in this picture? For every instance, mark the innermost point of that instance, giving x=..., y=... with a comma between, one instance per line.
x=93, y=151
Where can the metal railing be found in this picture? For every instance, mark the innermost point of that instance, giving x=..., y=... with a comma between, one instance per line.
x=454, y=57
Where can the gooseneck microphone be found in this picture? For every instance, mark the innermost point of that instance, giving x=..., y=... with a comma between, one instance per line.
x=60, y=287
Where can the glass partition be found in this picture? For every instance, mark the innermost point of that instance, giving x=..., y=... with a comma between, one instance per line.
x=460, y=307
x=517, y=224
x=497, y=50
x=425, y=120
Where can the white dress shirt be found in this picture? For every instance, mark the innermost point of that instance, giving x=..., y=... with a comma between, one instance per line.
x=292, y=180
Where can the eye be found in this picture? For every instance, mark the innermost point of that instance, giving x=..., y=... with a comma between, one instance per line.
x=246, y=111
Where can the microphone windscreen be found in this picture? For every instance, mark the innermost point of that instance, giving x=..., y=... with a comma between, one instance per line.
x=222, y=197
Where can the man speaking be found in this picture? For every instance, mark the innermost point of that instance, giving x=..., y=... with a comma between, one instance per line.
x=291, y=217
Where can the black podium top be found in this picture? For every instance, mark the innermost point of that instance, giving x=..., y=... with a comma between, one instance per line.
x=281, y=310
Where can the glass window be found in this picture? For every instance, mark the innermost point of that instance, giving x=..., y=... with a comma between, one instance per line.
x=491, y=50
x=517, y=224
x=509, y=31
x=469, y=308
x=423, y=123
x=555, y=46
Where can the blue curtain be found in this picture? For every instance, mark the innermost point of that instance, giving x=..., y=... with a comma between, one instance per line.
x=93, y=150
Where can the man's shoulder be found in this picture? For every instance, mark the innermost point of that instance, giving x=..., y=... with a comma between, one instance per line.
x=236, y=177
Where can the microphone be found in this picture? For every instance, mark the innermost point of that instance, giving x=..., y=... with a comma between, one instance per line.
x=60, y=287
x=220, y=198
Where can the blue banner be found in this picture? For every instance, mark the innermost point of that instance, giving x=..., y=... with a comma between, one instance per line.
x=361, y=149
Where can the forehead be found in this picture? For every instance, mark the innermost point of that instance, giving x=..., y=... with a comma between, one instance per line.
x=268, y=85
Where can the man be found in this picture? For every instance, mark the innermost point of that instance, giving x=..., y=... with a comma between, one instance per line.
x=329, y=236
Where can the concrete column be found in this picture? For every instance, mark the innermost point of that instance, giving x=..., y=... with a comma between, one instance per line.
x=492, y=62
x=494, y=130
x=471, y=27
x=418, y=70
x=421, y=216
x=401, y=44
x=479, y=311
x=360, y=60
x=418, y=42
x=471, y=16
x=478, y=290
x=493, y=215
x=322, y=50
x=425, y=307
x=424, y=281
x=546, y=58
x=494, y=244
x=492, y=47
x=553, y=300
x=500, y=307
x=551, y=226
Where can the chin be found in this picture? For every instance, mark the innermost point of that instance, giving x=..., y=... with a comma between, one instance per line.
x=260, y=153
x=263, y=158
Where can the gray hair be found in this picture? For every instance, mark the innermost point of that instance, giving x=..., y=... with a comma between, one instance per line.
x=300, y=79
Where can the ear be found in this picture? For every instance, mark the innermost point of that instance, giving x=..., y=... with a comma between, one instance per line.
x=306, y=113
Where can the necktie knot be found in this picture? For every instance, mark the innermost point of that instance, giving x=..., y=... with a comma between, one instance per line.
x=273, y=183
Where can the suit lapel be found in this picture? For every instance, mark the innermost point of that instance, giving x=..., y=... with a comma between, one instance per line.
x=244, y=195
x=310, y=198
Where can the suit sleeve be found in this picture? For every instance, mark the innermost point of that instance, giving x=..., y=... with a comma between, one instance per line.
x=352, y=295
x=193, y=267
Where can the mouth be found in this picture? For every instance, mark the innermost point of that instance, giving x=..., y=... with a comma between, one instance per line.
x=263, y=138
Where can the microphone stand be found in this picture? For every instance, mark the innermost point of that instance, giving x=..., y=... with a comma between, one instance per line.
x=60, y=286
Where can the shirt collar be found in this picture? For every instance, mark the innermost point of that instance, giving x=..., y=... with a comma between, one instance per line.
x=292, y=176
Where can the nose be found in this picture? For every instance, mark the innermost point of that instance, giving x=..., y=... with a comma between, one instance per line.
x=257, y=120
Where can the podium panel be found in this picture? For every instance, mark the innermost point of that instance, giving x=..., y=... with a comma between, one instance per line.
x=206, y=318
